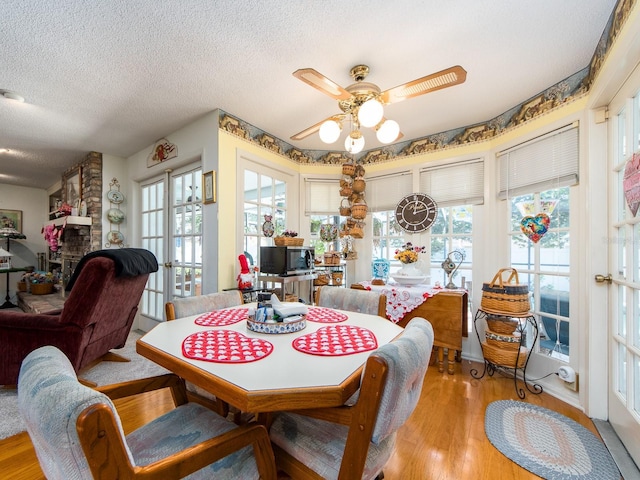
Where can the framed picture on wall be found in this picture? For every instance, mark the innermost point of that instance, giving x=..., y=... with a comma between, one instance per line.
x=11, y=219
x=73, y=187
x=209, y=186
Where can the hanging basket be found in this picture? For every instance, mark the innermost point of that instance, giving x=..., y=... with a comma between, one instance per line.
x=348, y=169
x=359, y=211
x=359, y=185
x=346, y=191
x=345, y=209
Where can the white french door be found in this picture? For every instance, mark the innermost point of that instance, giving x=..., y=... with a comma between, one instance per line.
x=624, y=269
x=176, y=241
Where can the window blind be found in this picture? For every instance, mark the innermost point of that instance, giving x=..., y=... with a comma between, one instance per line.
x=460, y=183
x=322, y=196
x=547, y=162
x=385, y=191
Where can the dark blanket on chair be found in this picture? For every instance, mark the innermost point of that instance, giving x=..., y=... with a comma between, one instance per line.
x=129, y=262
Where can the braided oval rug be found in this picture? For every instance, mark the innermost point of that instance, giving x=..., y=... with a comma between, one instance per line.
x=546, y=443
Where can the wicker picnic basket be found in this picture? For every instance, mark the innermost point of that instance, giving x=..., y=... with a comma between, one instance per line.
x=503, y=340
x=505, y=357
x=322, y=279
x=288, y=241
x=505, y=296
x=345, y=209
x=504, y=325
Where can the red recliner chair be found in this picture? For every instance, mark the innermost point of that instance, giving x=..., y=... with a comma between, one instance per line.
x=97, y=314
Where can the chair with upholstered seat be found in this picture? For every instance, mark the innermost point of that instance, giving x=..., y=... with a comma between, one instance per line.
x=101, y=304
x=77, y=433
x=353, y=300
x=188, y=306
x=356, y=440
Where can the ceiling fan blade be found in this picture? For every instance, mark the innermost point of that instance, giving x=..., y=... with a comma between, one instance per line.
x=322, y=83
x=314, y=128
x=436, y=81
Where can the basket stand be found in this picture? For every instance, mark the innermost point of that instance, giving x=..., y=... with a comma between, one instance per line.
x=508, y=359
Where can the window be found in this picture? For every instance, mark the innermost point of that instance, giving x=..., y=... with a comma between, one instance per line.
x=321, y=246
x=536, y=178
x=452, y=231
x=264, y=201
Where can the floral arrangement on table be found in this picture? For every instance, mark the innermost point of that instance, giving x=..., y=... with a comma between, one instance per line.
x=409, y=253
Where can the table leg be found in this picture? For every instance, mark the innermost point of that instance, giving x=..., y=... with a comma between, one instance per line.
x=440, y=359
x=451, y=353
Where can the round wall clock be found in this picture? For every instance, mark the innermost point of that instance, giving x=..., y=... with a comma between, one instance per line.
x=416, y=212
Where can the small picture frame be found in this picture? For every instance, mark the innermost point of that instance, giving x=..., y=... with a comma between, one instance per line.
x=73, y=187
x=11, y=219
x=209, y=187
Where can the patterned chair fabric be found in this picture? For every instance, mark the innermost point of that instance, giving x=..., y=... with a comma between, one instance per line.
x=188, y=306
x=321, y=445
x=51, y=400
x=352, y=300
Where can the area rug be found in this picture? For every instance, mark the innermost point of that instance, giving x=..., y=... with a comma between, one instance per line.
x=546, y=443
x=104, y=373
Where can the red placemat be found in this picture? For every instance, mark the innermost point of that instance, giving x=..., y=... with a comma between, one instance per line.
x=336, y=340
x=221, y=318
x=225, y=346
x=325, y=315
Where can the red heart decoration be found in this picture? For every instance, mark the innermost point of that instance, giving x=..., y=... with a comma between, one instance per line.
x=336, y=340
x=631, y=183
x=535, y=227
x=225, y=346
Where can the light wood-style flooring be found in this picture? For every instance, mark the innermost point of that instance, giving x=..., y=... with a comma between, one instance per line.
x=444, y=439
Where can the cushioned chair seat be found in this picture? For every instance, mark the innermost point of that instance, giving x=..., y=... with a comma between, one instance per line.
x=352, y=300
x=183, y=427
x=320, y=445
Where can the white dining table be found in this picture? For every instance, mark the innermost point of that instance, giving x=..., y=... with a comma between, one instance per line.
x=285, y=379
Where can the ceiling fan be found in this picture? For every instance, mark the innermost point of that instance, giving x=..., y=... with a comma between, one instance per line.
x=363, y=103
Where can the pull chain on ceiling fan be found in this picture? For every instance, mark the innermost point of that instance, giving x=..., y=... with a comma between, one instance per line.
x=362, y=103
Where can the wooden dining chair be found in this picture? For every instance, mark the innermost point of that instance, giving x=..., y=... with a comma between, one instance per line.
x=77, y=433
x=352, y=300
x=356, y=440
x=189, y=306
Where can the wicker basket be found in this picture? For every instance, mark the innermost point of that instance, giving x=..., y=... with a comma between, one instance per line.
x=359, y=185
x=359, y=210
x=502, y=325
x=348, y=169
x=503, y=357
x=288, y=241
x=322, y=280
x=505, y=297
x=22, y=286
x=332, y=258
x=345, y=209
x=502, y=340
x=41, y=288
x=336, y=278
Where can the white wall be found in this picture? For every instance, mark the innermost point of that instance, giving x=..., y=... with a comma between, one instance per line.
x=34, y=204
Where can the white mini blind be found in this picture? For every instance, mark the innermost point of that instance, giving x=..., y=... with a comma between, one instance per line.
x=460, y=183
x=322, y=196
x=547, y=162
x=384, y=192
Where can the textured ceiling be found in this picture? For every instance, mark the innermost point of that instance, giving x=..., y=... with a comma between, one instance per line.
x=117, y=75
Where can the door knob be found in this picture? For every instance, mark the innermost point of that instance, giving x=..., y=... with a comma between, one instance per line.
x=168, y=264
x=601, y=278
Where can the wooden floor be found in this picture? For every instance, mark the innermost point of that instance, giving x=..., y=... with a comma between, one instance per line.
x=444, y=439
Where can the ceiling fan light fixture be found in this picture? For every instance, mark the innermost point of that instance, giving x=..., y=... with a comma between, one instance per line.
x=354, y=143
x=330, y=131
x=370, y=113
x=388, y=131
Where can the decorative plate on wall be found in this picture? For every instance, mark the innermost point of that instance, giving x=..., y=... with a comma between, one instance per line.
x=115, y=196
x=115, y=215
x=115, y=237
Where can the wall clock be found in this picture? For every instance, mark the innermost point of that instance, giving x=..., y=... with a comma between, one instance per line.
x=416, y=212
